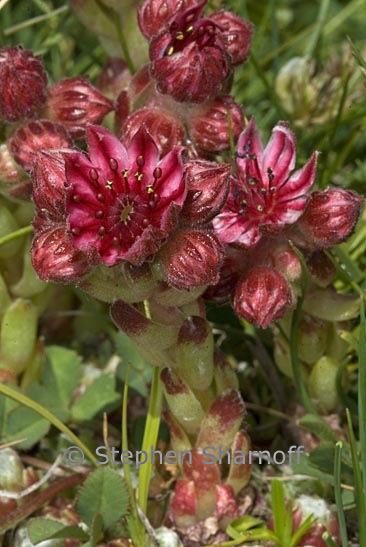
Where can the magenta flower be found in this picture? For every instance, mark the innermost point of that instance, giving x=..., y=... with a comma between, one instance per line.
x=122, y=202
x=264, y=197
x=189, y=58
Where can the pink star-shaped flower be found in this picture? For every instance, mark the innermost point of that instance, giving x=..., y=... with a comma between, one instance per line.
x=264, y=197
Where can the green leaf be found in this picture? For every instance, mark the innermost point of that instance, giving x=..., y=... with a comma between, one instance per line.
x=318, y=426
x=104, y=492
x=96, y=530
x=99, y=396
x=25, y=423
x=61, y=376
x=41, y=529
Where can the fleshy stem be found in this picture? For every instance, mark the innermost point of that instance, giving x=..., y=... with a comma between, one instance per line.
x=300, y=386
x=14, y=235
x=151, y=430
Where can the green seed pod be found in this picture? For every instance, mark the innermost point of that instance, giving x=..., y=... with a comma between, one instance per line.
x=8, y=225
x=322, y=384
x=18, y=335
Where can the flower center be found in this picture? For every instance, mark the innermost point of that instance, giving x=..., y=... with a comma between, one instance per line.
x=126, y=212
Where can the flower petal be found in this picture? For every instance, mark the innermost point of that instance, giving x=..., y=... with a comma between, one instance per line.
x=279, y=156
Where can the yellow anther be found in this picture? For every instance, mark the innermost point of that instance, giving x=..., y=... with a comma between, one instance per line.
x=260, y=208
x=170, y=51
x=189, y=29
x=179, y=35
x=125, y=173
x=139, y=176
x=109, y=184
x=149, y=189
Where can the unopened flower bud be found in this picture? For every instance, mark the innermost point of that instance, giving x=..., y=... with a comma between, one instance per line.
x=262, y=296
x=114, y=77
x=10, y=173
x=182, y=402
x=212, y=125
x=18, y=335
x=195, y=352
x=30, y=138
x=191, y=258
x=4, y=296
x=208, y=186
x=75, y=102
x=178, y=437
x=153, y=15
x=164, y=128
x=237, y=34
x=23, y=84
x=189, y=58
x=329, y=218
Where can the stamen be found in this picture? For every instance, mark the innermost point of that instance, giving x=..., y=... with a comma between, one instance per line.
x=179, y=35
x=100, y=197
x=263, y=191
x=101, y=231
x=139, y=176
x=150, y=189
x=270, y=174
x=99, y=214
x=75, y=231
x=124, y=173
x=260, y=208
x=109, y=184
x=272, y=189
x=170, y=51
x=76, y=198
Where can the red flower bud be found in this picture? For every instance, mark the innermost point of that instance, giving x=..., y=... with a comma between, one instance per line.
x=164, y=128
x=153, y=15
x=114, y=77
x=34, y=136
x=189, y=59
x=191, y=258
x=262, y=296
x=22, y=84
x=75, y=102
x=210, y=126
x=237, y=33
x=53, y=255
x=10, y=173
x=329, y=218
x=208, y=187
